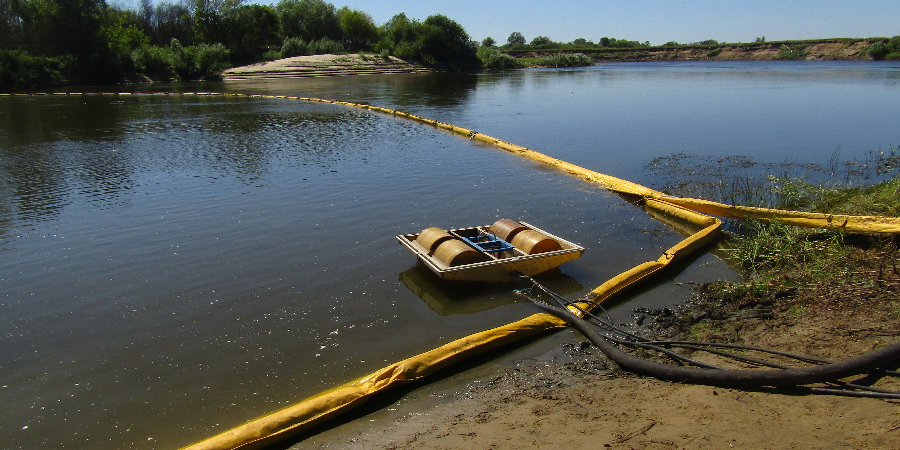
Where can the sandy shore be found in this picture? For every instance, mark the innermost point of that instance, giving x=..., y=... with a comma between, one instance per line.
x=324, y=66
x=571, y=396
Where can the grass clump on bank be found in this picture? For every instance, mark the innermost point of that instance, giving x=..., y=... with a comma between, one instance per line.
x=817, y=286
x=819, y=266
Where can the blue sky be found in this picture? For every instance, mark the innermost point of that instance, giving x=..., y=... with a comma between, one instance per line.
x=656, y=21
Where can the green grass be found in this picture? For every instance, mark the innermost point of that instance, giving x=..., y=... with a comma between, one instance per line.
x=776, y=257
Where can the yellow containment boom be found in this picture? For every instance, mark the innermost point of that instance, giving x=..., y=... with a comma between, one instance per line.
x=685, y=214
x=858, y=224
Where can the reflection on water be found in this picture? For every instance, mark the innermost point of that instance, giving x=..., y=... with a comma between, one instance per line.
x=35, y=184
x=447, y=298
x=432, y=91
x=64, y=156
x=435, y=90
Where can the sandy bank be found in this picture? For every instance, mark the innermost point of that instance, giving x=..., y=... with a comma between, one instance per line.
x=324, y=66
x=574, y=397
x=831, y=49
x=826, y=50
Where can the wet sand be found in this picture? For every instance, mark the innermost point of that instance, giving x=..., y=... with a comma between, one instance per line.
x=562, y=393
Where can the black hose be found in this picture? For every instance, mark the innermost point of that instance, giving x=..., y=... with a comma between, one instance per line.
x=732, y=378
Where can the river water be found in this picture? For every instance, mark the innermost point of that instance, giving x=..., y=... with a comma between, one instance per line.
x=173, y=266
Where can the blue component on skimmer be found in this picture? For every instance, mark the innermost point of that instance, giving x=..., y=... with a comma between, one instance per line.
x=489, y=243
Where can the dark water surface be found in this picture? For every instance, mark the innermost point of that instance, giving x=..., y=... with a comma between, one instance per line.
x=173, y=266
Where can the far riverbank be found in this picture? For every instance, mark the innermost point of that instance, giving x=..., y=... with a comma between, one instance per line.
x=819, y=50
x=370, y=64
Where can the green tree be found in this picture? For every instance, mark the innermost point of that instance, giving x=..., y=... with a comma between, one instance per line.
x=437, y=40
x=200, y=61
x=210, y=17
x=358, y=28
x=19, y=70
x=488, y=42
x=154, y=61
x=308, y=20
x=249, y=31
x=10, y=26
x=445, y=40
x=515, y=38
x=123, y=37
x=61, y=27
x=542, y=42
x=400, y=37
x=170, y=21
x=145, y=11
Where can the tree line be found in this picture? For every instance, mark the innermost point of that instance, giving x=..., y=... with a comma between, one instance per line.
x=44, y=42
x=493, y=56
x=517, y=41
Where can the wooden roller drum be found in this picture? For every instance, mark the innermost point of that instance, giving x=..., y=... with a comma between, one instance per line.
x=431, y=238
x=533, y=242
x=507, y=229
x=456, y=253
